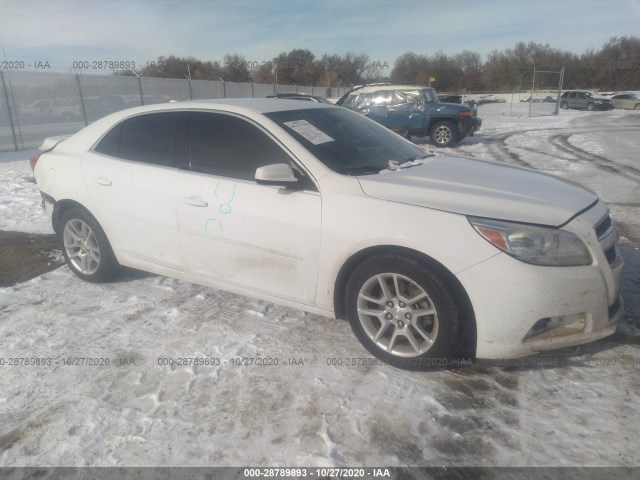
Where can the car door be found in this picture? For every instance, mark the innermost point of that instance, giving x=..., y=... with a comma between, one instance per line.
x=234, y=231
x=131, y=177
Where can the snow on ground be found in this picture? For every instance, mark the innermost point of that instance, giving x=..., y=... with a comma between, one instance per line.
x=20, y=200
x=581, y=407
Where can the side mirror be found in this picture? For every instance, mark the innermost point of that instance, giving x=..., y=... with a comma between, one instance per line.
x=276, y=174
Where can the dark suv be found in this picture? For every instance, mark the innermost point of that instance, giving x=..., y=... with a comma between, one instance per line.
x=413, y=110
x=584, y=100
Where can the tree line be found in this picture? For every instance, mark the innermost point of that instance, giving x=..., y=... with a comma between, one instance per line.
x=615, y=66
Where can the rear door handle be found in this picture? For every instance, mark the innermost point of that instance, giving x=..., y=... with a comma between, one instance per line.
x=195, y=201
x=103, y=181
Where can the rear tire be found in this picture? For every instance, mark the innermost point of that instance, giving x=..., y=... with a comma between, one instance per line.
x=590, y=107
x=637, y=107
x=85, y=247
x=403, y=312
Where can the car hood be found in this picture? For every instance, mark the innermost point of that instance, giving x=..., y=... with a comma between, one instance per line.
x=482, y=189
x=457, y=107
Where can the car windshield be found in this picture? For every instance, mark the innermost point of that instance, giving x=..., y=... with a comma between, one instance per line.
x=345, y=141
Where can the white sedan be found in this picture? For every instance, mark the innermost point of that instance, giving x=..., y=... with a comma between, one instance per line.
x=316, y=207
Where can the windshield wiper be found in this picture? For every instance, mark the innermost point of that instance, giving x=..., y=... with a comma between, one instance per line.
x=419, y=157
x=411, y=162
x=362, y=169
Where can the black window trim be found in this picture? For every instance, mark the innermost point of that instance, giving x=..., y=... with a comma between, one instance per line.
x=294, y=159
x=288, y=152
x=93, y=150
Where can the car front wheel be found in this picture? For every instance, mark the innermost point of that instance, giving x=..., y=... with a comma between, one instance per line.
x=564, y=106
x=637, y=107
x=402, y=311
x=85, y=247
x=443, y=134
x=590, y=107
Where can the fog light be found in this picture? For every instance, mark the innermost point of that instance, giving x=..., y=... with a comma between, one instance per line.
x=563, y=325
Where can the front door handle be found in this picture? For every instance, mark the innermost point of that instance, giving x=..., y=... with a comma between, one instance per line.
x=195, y=201
x=103, y=181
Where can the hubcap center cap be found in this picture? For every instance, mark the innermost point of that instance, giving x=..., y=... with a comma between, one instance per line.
x=398, y=313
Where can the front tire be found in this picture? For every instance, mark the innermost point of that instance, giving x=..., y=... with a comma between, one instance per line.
x=564, y=106
x=85, y=247
x=443, y=134
x=403, y=312
x=590, y=107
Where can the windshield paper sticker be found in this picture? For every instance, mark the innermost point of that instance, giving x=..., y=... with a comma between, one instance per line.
x=309, y=132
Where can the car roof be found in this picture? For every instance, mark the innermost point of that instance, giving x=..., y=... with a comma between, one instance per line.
x=377, y=88
x=290, y=94
x=259, y=105
x=86, y=137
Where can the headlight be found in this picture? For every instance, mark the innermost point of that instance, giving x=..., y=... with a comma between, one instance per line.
x=535, y=245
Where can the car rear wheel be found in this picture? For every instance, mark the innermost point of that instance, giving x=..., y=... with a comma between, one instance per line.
x=637, y=107
x=590, y=107
x=85, y=247
x=443, y=134
x=403, y=312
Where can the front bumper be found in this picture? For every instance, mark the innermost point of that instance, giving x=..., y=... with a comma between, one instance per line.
x=524, y=309
x=471, y=125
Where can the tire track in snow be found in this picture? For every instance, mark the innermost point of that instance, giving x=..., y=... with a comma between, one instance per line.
x=561, y=141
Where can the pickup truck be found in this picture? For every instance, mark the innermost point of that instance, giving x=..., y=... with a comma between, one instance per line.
x=413, y=110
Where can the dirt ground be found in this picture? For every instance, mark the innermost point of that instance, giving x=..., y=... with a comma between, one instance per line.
x=24, y=256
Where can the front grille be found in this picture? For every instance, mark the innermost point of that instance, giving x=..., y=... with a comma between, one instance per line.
x=608, y=237
x=613, y=309
x=602, y=226
x=610, y=253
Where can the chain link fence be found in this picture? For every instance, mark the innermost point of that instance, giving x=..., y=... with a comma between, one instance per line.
x=515, y=103
x=36, y=105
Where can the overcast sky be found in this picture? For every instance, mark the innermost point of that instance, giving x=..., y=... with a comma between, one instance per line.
x=62, y=31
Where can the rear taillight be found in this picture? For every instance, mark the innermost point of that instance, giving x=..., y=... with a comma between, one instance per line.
x=33, y=160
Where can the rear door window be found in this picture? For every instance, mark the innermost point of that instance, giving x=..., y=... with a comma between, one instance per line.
x=155, y=138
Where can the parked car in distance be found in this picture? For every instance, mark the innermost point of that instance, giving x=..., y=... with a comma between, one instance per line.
x=584, y=100
x=626, y=101
x=413, y=110
x=301, y=96
x=319, y=208
x=51, y=110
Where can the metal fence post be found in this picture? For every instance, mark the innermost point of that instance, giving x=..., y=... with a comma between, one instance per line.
x=252, y=92
x=6, y=97
x=190, y=90
x=140, y=87
x=84, y=111
x=224, y=90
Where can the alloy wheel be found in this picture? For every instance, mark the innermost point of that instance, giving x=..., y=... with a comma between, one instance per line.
x=81, y=246
x=397, y=314
x=442, y=135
